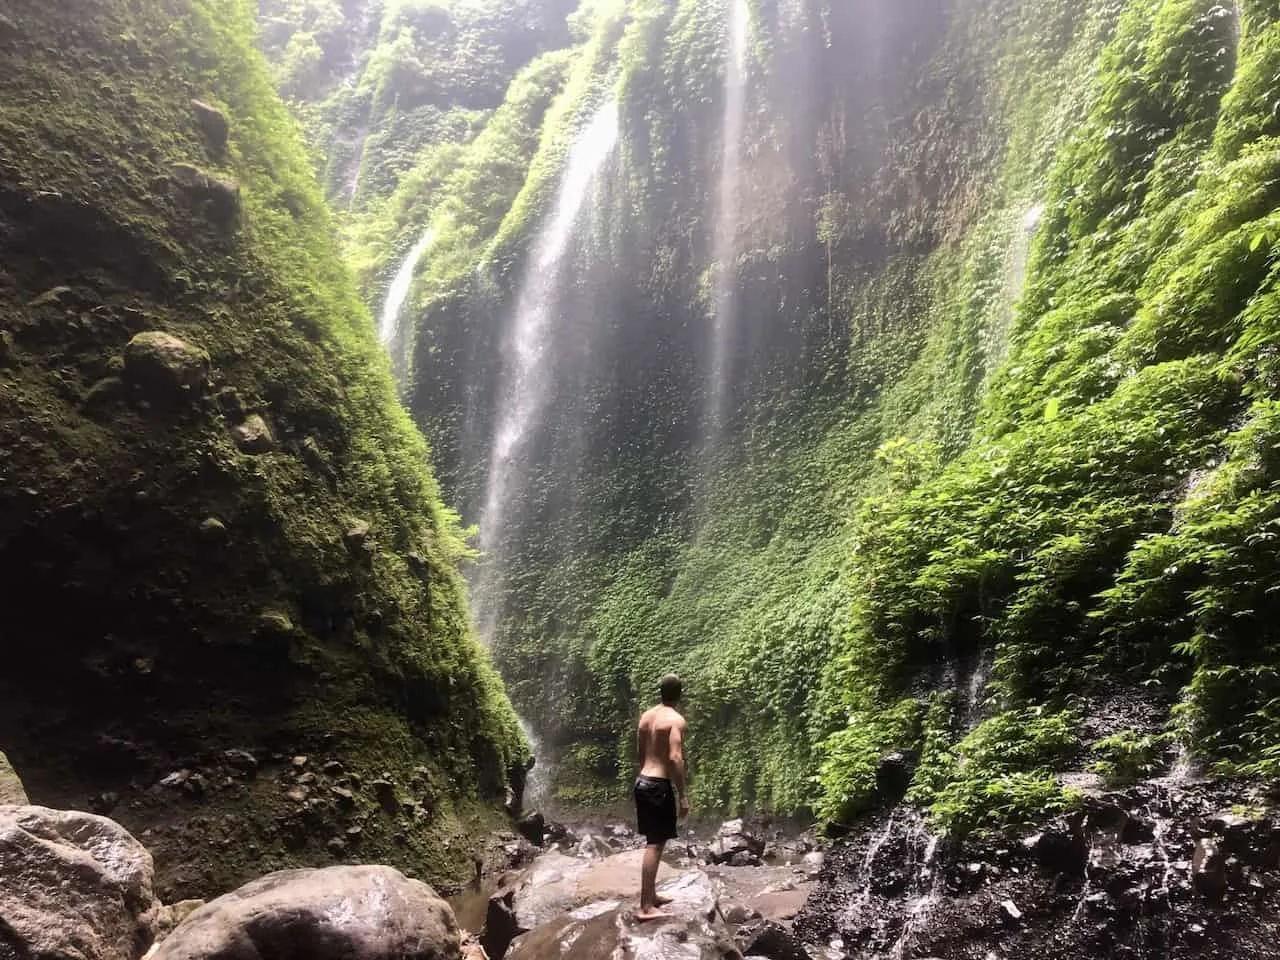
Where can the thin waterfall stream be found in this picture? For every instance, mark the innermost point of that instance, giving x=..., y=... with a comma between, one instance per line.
x=724, y=251
x=398, y=292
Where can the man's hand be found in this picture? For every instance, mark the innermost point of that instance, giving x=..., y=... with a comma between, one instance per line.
x=684, y=807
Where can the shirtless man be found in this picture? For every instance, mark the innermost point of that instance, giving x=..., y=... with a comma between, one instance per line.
x=660, y=747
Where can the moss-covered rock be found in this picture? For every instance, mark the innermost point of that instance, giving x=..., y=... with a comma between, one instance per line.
x=177, y=586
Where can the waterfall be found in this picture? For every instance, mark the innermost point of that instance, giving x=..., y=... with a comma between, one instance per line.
x=724, y=252
x=528, y=373
x=398, y=292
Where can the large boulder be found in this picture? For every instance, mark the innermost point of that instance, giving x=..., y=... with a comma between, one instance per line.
x=335, y=913
x=160, y=362
x=73, y=886
x=11, y=789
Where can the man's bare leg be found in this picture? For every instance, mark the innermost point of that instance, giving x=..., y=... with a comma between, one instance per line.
x=648, y=884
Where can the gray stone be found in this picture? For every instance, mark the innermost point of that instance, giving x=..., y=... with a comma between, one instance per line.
x=218, y=201
x=253, y=435
x=770, y=939
x=11, y=789
x=1208, y=868
x=159, y=361
x=533, y=828
x=370, y=912
x=214, y=126
x=75, y=886
x=812, y=864
x=356, y=535
x=500, y=925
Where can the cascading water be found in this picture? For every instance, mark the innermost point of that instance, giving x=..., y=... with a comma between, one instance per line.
x=398, y=292
x=528, y=373
x=724, y=250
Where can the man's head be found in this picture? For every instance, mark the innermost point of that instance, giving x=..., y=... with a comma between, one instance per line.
x=671, y=689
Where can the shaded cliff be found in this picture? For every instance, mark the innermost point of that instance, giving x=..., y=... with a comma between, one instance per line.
x=227, y=564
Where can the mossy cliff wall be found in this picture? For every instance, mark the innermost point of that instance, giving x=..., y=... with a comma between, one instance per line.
x=236, y=545
x=999, y=399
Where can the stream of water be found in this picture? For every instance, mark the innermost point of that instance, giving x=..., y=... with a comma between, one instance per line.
x=398, y=292
x=725, y=240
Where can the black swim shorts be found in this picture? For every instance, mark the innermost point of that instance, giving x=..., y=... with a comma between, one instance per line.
x=655, y=809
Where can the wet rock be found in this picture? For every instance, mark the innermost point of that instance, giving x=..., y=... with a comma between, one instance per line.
x=161, y=363
x=176, y=779
x=731, y=840
x=214, y=126
x=74, y=887
x=533, y=828
x=1058, y=850
x=253, y=435
x=371, y=912
x=344, y=797
x=742, y=858
x=1208, y=869
x=1009, y=910
x=11, y=789
x=336, y=846
x=893, y=776
x=812, y=863
x=593, y=847
x=333, y=768
x=768, y=938
x=500, y=925
x=217, y=200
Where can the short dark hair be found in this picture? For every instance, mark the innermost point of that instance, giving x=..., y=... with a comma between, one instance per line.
x=671, y=688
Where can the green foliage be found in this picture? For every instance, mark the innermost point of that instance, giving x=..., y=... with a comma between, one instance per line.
x=1003, y=772
x=1129, y=755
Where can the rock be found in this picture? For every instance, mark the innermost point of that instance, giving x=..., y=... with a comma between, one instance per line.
x=75, y=887
x=370, y=912
x=1010, y=910
x=213, y=528
x=732, y=840
x=592, y=847
x=344, y=797
x=253, y=435
x=770, y=939
x=812, y=864
x=160, y=362
x=1058, y=850
x=1208, y=869
x=385, y=791
x=356, y=536
x=214, y=126
x=893, y=776
x=104, y=803
x=533, y=828
x=336, y=846
x=11, y=789
x=242, y=761
x=103, y=394
x=743, y=858
x=175, y=780
x=500, y=925
x=333, y=768
x=216, y=200
x=173, y=914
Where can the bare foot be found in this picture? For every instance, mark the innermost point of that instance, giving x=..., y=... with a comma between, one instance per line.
x=661, y=899
x=649, y=913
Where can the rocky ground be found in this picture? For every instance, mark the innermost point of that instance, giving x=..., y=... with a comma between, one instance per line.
x=1171, y=869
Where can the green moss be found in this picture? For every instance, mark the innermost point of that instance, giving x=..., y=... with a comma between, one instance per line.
x=159, y=644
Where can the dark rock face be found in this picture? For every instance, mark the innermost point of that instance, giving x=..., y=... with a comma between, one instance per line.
x=533, y=828
x=336, y=913
x=735, y=844
x=1157, y=872
x=73, y=886
x=500, y=925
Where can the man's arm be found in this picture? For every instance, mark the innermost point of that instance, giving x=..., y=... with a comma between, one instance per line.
x=677, y=766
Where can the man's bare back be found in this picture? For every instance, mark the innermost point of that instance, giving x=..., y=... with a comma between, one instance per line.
x=660, y=744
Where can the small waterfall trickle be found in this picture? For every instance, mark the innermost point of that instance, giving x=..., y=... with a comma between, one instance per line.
x=724, y=251
x=398, y=292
